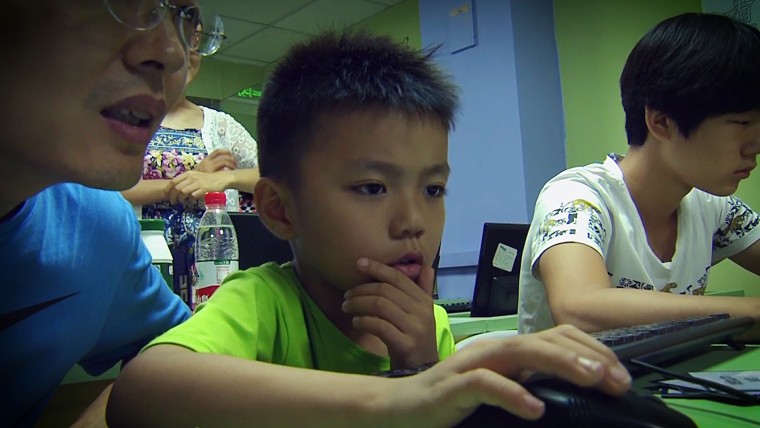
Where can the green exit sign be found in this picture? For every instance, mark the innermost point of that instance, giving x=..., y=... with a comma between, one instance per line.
x=249, y=93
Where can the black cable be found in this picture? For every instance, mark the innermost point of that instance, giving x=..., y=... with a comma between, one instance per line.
x=733, y=392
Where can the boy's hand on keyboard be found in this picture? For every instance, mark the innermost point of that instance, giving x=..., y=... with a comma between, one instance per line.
x=398, y=311
x=489, y=372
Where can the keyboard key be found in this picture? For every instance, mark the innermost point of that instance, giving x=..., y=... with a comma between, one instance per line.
x=667, y=340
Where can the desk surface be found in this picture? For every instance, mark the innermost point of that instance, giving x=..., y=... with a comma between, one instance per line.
x=707, y=413
x=462, y=325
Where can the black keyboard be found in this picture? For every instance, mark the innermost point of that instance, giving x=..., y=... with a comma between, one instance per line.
x=663, y=341
x=455, y=305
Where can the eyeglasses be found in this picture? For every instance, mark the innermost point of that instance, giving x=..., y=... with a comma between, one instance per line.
x=202, y=32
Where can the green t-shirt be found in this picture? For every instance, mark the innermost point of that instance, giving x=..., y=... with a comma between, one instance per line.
x=264, y=314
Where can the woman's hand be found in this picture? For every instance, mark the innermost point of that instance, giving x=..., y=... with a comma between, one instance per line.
x=191, y=186
x=218, y=160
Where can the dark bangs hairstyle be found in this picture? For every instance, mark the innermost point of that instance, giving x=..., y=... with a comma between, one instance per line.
x=691, y=67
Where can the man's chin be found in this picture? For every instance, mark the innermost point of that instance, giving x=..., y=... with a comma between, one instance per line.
x=114, y=180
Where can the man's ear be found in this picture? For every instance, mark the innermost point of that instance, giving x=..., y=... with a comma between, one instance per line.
x=660, y=125
x=271, y=199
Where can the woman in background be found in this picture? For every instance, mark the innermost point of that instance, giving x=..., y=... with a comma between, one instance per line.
x=196, y=150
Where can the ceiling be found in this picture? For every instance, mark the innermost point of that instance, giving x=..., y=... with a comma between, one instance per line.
x=260, y=31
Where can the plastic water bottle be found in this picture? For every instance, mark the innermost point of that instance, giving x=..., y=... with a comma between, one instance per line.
x=216, y=248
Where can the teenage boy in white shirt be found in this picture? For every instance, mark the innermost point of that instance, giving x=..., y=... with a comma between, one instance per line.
x=605, y=236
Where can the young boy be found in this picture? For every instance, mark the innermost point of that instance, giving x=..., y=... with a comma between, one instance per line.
x=603, y=237
x=353, y=133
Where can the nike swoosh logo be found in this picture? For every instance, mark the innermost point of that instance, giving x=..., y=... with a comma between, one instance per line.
x=12, y=318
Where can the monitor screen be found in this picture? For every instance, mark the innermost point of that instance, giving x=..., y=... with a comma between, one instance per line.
x=435, y=274
x=257, y=245
x=498, y=273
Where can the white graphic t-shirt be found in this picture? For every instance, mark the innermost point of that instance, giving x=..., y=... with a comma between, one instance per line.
x=591, y=205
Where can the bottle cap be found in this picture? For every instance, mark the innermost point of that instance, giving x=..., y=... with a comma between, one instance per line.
x=152, y=224
x=215, y=198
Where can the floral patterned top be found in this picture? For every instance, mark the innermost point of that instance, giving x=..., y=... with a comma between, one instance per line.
x=174, y=151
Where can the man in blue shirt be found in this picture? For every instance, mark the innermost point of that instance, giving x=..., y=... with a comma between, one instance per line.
x=85, y=85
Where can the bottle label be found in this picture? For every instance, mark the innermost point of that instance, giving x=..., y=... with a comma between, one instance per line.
x=211, y=274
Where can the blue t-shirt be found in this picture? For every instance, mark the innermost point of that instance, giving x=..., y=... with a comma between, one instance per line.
x=77, y=286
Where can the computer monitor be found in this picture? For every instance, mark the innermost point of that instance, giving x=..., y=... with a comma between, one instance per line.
x=435, y=274
x=498, y=273
x=257, y=245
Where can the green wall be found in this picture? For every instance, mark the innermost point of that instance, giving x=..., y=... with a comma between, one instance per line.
x=402, y=21
x=221, y=80
x=594, y=38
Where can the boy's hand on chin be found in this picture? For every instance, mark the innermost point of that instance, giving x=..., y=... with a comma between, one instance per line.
x=397, y=310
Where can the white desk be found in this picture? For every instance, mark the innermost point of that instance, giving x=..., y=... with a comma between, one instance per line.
x=462, y=325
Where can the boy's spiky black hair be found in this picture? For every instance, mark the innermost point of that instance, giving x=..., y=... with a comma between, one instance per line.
x=344, y=71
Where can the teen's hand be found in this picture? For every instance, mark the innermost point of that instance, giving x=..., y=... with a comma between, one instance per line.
x=191, y=186
x=396, y=310
x=490, y=372
x=218, y=160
